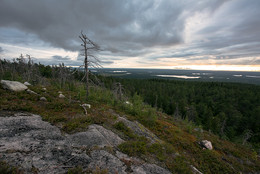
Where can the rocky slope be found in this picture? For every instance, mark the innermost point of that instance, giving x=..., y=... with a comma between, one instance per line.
x=41, y=132
x=36, y=145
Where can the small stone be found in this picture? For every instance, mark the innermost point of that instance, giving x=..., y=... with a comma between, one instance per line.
x=61, y=96
x=27, y=83
x=31, y=92
x=207, y=144
x=198, y=130
x=128, y=103
x=43, y=99
x=44, y=89
x=59, y=92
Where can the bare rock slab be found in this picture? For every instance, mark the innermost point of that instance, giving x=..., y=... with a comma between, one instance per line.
x=13, y=85
x=29, y=142
x=95, y=136
x=104, y=160
x=149, y=168
x=139, y=129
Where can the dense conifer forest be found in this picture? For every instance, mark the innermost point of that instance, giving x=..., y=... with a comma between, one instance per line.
x=231, y=110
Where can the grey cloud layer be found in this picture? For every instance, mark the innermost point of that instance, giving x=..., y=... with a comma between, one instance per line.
x=133, y=28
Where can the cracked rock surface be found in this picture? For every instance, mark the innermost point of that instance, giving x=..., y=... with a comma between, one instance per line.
x=33, y=144
x=139, y=129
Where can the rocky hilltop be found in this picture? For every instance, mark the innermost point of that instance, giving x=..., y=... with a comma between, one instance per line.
x=46, y=130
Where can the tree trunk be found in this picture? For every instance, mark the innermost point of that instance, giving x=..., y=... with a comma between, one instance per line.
x=86, y=71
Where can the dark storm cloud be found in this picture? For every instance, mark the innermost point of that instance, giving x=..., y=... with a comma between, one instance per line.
x=121, y=24
x=56, y=57
x=106, y=62
x=238, y=24
x=133, y=28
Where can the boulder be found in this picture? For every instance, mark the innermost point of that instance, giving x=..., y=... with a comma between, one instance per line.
x=43, y=99
x=13, y=85
x=27, y=83
x=207, y=144
x=61, y=96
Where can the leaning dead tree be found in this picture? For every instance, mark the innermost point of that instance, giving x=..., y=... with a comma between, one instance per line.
x=90, y=60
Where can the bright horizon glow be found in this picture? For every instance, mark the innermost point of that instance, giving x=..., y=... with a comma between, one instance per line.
x=254, y=68
x=180, y=76
x=220, y=67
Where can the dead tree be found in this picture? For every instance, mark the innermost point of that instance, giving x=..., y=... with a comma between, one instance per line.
x=118, y=91
x=247, y=135
x=29, y=68
x=2, y=69
x=90, y=60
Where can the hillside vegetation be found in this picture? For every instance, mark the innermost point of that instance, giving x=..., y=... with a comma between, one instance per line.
x=180, y=134
x=230, y=110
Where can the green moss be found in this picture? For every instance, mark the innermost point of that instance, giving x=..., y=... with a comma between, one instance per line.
x=7, y=169
x=123, y=128
x=134, y=147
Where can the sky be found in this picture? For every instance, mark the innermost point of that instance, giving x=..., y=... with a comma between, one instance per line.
x=167, y=34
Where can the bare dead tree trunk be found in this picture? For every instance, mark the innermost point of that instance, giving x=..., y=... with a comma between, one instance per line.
x=118, y=90
x=86, y=70
x=29, y=68
x=2, y=69
x=176, y=112
x=247, y=135
x=88, y=45
x=223, y=127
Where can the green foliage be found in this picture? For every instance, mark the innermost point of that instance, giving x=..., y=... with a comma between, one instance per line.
x=123, y=128
x=7, y=169
x=77, y=124
x=134, y=147
x=101, y=95
x=76, y=170
x=142, y=112
x=179, y=165
x=211, y=162
x=227, y=109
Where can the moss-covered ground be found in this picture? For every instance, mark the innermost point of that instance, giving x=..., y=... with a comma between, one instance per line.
x=180, y=140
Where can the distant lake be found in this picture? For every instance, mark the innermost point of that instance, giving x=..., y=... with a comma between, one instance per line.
x=190, y=75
